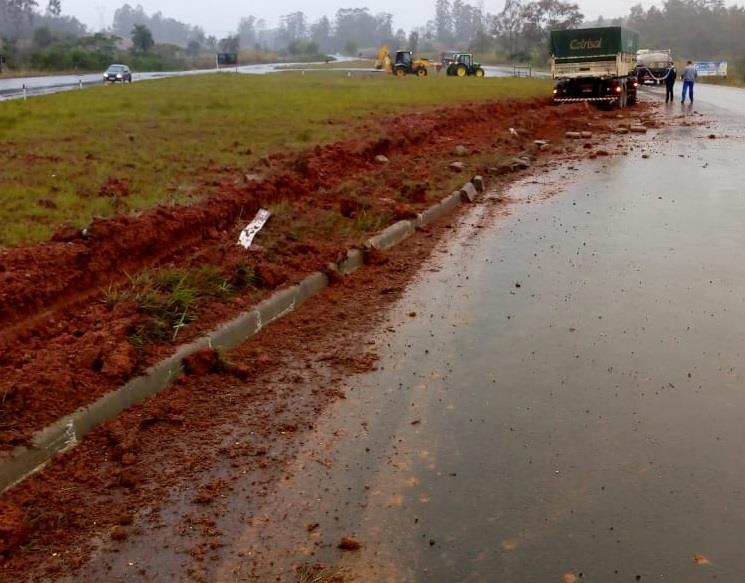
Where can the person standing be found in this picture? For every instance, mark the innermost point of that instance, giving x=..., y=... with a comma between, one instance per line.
x=672, y=75
x=689, y=78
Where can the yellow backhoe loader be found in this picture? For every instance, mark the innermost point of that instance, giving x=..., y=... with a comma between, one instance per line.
x=402, y=63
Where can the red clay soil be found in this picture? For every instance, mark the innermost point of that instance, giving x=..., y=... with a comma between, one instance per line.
x=169, y=444
x=246, y=414
x=61, y=346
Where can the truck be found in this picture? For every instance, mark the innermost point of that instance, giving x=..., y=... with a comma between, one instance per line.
x=652, y=65
x=595, y=65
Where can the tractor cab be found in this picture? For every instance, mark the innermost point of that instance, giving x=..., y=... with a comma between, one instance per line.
x=403, y=58
x=464, y=59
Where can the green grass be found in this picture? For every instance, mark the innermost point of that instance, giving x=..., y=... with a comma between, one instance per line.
x=171, y=137
x=168, y=298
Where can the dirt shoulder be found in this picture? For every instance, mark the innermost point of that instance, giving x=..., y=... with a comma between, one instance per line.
x=277, y=382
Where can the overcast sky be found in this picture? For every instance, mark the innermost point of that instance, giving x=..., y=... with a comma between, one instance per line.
x=220, y=18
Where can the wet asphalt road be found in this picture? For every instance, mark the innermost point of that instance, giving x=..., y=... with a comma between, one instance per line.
x=568, y=401
x=12, y=88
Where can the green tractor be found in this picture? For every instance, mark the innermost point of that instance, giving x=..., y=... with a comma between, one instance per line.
x=463, y=65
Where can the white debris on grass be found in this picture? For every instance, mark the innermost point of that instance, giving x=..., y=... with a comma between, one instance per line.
x=248, y=234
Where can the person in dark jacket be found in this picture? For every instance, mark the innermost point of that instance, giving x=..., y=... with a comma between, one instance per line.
x=670, y=78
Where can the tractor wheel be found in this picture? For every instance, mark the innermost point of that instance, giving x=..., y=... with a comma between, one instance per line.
x=479, y=72
x=400, y=72
x=461, y=71
x=421, y=72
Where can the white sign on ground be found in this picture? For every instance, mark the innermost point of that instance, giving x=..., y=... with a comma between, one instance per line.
x=248, y=234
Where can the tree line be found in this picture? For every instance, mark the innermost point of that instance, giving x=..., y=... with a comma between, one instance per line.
x=41, y=36
x=692, y=29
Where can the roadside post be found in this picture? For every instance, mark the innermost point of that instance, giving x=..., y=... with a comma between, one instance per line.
x=24, y=92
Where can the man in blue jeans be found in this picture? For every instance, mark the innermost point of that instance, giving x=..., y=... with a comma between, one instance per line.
x=689, y=77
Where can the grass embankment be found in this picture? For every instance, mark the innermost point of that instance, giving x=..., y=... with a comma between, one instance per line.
x=72, y=156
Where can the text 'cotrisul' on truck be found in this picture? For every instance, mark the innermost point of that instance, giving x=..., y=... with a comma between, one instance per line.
x=595, y=64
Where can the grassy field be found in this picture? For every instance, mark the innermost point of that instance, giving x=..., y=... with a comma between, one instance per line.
x=160, y=140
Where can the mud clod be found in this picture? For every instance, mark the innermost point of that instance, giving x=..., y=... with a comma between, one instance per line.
x=349, y=544
x=118, y=533
x=202, y=362
x=121, y=362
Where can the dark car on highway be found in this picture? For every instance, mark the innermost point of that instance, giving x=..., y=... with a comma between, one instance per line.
x=117, y=73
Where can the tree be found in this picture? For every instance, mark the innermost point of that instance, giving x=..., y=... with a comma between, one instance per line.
x=247, y=31
x=320, y=33
x=443, y=21
x=229, y=44
x=163, y=29
x=413, y=40
x=293, y=27
x=54, y=8
x=43, y=37
x=193, y=48
x=356, y=26
x=350, y=48
x=508, y=24
x=14, y=14
x=142, y=39
x=383, y=27
x=467, y=21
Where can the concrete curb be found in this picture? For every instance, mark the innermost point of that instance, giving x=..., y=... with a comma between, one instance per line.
x=67, y=432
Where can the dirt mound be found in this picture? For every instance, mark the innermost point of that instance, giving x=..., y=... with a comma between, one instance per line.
x=41, y=277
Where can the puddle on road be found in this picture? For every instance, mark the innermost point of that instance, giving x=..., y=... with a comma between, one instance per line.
x=567, y=401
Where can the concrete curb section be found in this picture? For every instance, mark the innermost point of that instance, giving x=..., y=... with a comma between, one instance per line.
x=67, y=432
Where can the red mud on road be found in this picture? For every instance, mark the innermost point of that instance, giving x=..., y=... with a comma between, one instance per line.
x=79, y=348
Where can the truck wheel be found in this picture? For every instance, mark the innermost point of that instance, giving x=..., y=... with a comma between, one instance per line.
x=631, y=99
x=400, y=72
x=461, y=71
x=479, y=72
x=421, y=72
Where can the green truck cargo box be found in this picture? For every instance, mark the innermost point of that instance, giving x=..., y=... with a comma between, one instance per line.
x=584, y=44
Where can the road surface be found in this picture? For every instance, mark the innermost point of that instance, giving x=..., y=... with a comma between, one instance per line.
x=567, y=404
